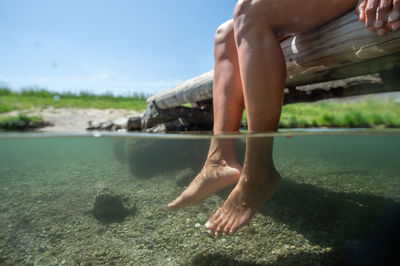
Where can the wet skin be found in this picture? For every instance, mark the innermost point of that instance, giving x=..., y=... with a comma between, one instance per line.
x=250, y=72
x=220, y=170
x=258, y=181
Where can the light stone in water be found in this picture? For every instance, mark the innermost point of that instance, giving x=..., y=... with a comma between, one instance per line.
x=201, y=217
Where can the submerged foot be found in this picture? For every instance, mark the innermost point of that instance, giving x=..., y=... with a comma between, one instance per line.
x=244, y=201
x=213, y=177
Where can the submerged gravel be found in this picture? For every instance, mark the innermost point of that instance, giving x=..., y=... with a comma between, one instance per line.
x=323, y=214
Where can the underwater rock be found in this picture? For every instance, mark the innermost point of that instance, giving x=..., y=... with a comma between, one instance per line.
x=201, y=217
x=148, y=157
x=108, y=206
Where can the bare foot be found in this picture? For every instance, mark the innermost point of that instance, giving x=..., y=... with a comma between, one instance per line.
x=214, y=176
x=244, y=201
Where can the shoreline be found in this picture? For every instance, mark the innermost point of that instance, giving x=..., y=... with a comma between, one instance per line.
x=74, y=120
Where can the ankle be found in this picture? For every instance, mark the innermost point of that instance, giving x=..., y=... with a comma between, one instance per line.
x=267, y=176
x=216, y=162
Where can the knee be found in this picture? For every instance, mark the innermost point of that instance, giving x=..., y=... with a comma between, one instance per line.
x=224, y=41
x=224, y=33
x=245, y=13
x=243, y=8
x=253, y=15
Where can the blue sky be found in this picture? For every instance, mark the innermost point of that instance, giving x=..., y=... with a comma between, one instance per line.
x=98, y=46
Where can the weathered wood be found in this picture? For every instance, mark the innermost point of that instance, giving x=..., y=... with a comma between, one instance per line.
x=342, y=42
x=371, y=66
x=187, y=118
x=382, y=82
x=340, y=49
x=191, y=91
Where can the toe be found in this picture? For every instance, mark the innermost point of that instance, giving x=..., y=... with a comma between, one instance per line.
x=174, y=204
x=239, y=224
x=221, y=226
x=216, y=215
x=215, y=224
x=228, y=226
x=210, y=224
x=185, y=199
x=233, y=228
x=177, y=203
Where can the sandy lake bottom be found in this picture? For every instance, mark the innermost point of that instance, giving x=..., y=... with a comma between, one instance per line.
x=338, y=203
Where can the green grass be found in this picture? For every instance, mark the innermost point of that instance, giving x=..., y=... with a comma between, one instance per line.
x=367, y=113
x=26, y=99
x=19, y=122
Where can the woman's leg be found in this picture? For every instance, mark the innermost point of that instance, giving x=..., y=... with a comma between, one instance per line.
x=228, y=101
x=258, y=25
x=221, y=168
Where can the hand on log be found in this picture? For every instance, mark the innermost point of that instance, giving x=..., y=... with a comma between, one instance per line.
x=379, y=15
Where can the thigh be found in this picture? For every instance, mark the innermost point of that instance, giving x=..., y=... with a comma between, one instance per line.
x=294, y=16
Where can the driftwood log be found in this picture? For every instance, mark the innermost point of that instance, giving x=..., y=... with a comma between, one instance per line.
x=339, y=50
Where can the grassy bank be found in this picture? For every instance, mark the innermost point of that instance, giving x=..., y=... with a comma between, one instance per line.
x=26, y=99
x=366, y=113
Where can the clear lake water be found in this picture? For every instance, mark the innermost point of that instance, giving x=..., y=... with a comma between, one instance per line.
x=338, y=202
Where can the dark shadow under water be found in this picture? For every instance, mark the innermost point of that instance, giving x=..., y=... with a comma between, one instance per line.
x=149, y=157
